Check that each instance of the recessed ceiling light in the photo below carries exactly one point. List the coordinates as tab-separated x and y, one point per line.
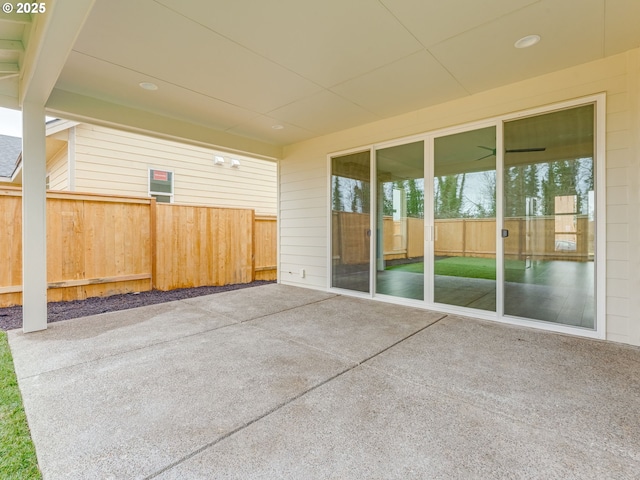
148	86
528	41
277	127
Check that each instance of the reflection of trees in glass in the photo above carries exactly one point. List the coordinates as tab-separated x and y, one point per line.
349	195
449	196
360	198
486	206
520	182
546	181
415	198
414	195
336	195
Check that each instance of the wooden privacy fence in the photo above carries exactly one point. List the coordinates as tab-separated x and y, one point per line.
459	237
100	245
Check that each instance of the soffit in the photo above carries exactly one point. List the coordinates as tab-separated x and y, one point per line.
315	67
14	36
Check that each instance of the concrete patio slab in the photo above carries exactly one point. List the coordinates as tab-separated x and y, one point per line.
132	414
589	390
352	328
258	302
76	341
367	424
324	386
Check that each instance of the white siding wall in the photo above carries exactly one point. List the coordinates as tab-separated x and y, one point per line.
116	162
58	169
304	192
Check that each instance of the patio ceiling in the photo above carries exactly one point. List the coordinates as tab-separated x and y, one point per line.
228	72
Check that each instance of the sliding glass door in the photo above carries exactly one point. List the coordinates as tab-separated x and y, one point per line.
496	218
400	221
351	221
464	211
549	216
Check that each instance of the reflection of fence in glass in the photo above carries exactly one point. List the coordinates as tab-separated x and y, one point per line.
566	225
458	237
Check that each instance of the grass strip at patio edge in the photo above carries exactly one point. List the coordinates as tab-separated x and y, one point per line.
17	452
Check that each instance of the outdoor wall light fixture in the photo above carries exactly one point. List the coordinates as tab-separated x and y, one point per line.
235	163
528	41
218	160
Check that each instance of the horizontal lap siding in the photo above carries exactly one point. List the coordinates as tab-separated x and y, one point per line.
623	202
58	171
115	162
303	218
303	173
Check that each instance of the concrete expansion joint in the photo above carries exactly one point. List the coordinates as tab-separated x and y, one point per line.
287	402
293	340
288	309
402	340
248	424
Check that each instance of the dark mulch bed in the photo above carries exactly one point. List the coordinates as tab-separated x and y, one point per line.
11	317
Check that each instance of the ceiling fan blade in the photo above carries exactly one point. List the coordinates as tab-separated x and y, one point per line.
492	150
488	148
523	150
486	156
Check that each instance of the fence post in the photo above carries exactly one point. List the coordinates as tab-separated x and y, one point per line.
153	233
253	245
464	237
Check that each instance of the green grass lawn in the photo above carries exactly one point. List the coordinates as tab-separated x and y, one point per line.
17	453
470	267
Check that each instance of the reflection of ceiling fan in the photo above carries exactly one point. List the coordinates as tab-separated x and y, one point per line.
511	150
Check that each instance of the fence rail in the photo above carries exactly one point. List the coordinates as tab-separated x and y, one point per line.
100	245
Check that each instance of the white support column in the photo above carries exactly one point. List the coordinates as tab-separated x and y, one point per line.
34	221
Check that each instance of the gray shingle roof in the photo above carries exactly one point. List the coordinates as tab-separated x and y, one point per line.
10	148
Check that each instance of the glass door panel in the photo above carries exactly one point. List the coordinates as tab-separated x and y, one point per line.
350	221
464	205
549	212
400	221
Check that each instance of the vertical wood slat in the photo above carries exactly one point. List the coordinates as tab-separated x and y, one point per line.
104	236
10	244
153	228
81	244
265	248
203	246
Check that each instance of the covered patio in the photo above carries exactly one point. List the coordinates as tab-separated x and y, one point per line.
285	382
297	83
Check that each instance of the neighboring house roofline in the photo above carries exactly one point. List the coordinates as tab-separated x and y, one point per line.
16	171
18	167
52	127
10	156
58	125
